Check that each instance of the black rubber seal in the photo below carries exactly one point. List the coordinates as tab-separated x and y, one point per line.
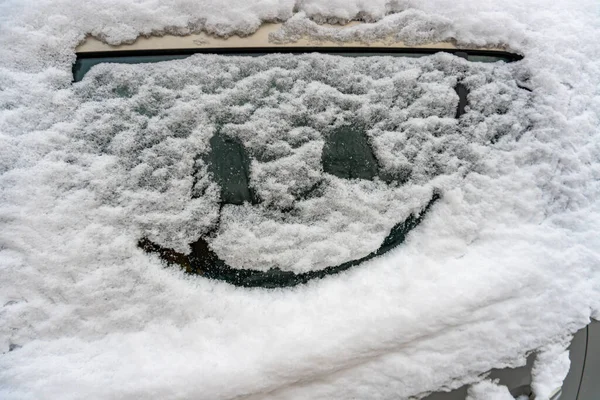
508	56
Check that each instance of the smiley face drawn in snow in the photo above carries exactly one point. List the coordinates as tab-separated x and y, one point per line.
271	171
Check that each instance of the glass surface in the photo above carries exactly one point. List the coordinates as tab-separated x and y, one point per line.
83	65
262	121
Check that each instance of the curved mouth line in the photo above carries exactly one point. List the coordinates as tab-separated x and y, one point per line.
205	262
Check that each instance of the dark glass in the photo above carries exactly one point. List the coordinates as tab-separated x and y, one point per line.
84	63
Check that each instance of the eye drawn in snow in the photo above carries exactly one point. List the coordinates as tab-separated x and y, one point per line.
278	169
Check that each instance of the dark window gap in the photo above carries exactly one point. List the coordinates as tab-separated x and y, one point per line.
85	61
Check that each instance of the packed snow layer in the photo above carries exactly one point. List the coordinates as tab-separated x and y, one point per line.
505	263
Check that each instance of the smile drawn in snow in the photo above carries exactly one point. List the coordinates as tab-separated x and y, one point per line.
347	155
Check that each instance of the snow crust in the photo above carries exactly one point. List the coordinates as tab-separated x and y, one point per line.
505	263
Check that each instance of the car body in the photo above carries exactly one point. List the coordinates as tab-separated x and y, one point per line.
585	347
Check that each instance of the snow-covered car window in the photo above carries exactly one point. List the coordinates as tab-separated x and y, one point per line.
279	168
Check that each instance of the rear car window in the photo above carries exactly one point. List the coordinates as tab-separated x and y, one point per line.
272	170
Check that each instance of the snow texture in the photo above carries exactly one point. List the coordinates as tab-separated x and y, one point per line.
488	390
506	262
283	109
550	369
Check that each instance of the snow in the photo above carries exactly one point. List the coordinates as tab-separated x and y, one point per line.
505	263
550	369
283	108
488	390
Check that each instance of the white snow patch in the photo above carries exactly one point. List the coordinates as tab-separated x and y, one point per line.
488	390
410	27
550	369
